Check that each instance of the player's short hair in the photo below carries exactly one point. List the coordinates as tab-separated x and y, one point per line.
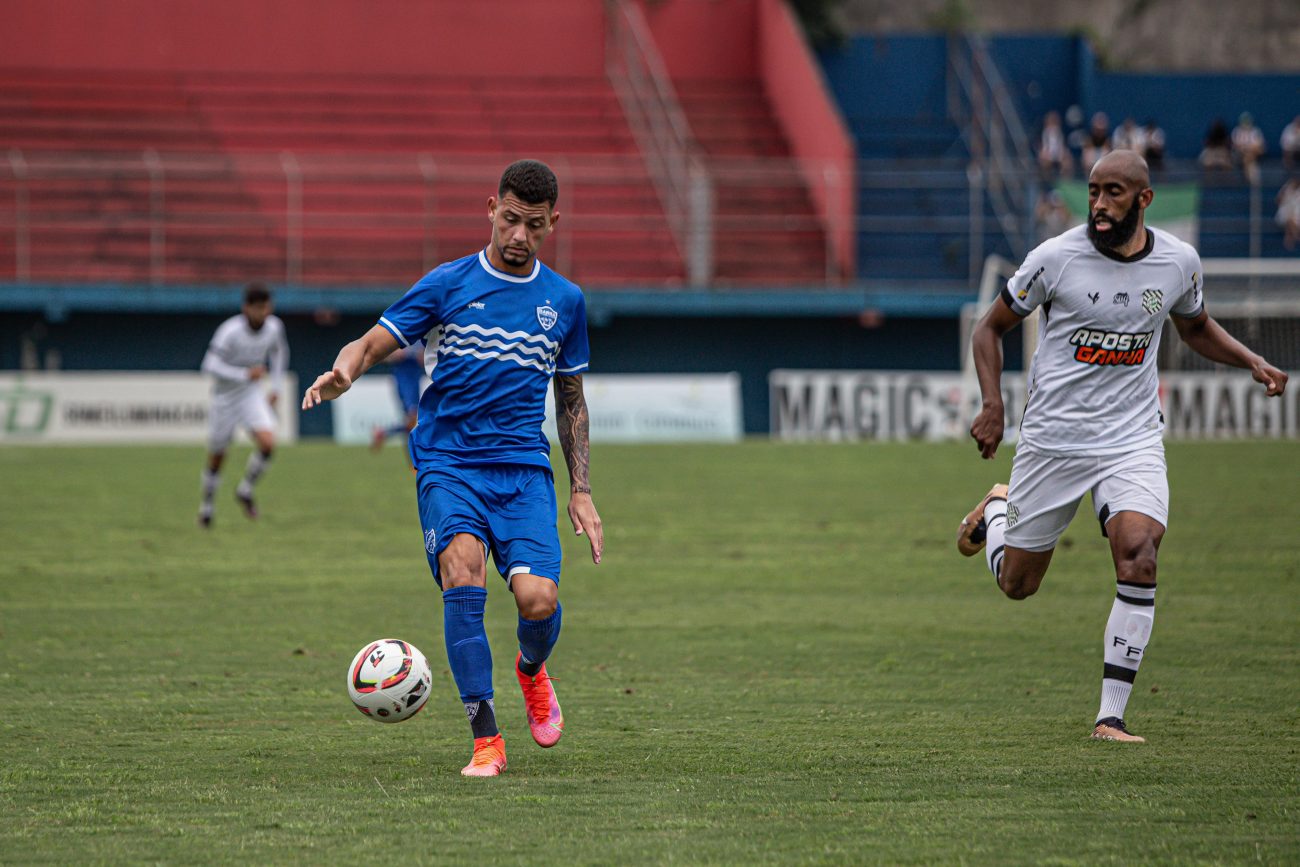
531	181
257	293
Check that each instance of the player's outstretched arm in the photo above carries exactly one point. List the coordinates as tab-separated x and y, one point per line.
354	359
986	345
1208	338
573	425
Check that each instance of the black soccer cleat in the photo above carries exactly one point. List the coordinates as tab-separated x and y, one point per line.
246	503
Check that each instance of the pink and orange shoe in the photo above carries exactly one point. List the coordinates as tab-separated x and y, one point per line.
489	758
545	720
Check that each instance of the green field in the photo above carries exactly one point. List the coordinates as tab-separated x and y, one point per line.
781	659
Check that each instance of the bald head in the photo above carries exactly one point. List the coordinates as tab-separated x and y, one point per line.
1123	165
1119	190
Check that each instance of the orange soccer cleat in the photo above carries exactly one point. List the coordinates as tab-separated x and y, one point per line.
1112	728
545	720
489	758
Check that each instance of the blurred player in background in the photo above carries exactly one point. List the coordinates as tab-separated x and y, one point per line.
408	369
500	326
1092	421
238	359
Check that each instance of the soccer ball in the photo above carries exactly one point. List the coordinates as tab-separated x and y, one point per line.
389	680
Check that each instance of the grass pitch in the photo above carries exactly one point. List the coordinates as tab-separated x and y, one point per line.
782	659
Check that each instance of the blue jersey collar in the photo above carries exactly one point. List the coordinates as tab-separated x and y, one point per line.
502	275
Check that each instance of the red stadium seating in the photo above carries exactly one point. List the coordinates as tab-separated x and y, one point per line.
392	174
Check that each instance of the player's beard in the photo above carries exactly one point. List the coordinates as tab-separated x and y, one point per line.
1121	231
515	255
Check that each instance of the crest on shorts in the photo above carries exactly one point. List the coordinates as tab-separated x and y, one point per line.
1013	514
431	542
1152	300
547	317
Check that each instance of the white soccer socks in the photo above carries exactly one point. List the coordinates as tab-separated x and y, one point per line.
210	481
252	471
1127	632
995	524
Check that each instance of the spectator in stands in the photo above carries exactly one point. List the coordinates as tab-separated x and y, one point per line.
1051	216
1216	153
1153	145
1054	157
1248	146
1097	143
1129	137
1291	144
1288	212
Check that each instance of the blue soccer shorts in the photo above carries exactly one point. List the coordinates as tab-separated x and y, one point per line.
510	509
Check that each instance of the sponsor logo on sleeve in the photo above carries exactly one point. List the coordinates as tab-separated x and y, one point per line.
1110	348
1024	293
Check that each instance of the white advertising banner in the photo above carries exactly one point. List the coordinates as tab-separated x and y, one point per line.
659	408
1227	406
624	408
849	405
370	403
118	407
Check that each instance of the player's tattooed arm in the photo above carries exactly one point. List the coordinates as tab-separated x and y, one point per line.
573	424
574	427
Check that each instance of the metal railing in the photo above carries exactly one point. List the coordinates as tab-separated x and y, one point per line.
1001	162
357	219
671	154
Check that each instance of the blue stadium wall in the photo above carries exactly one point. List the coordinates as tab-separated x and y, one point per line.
897	84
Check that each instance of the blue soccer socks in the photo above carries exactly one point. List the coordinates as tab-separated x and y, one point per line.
536	639
467	646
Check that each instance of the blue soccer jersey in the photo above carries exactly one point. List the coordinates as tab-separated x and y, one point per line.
494	342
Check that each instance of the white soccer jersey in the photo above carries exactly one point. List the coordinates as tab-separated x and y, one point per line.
1093	383
236	347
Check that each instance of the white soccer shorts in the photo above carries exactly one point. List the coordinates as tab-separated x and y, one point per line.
1045	491
246	408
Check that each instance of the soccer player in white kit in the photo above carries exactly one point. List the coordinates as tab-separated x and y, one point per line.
238	359
1092	421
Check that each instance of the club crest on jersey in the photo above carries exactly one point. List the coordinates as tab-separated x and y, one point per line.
1152	300
547	317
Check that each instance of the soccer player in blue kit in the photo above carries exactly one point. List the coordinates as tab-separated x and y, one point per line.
408	370
500	327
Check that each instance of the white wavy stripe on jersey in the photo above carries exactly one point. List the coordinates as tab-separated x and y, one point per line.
547	369
501	332
470	340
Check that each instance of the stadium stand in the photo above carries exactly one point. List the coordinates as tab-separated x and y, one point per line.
385	169
766	228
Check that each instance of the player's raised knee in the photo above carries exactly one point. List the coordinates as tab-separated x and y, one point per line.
1017	589
537	599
